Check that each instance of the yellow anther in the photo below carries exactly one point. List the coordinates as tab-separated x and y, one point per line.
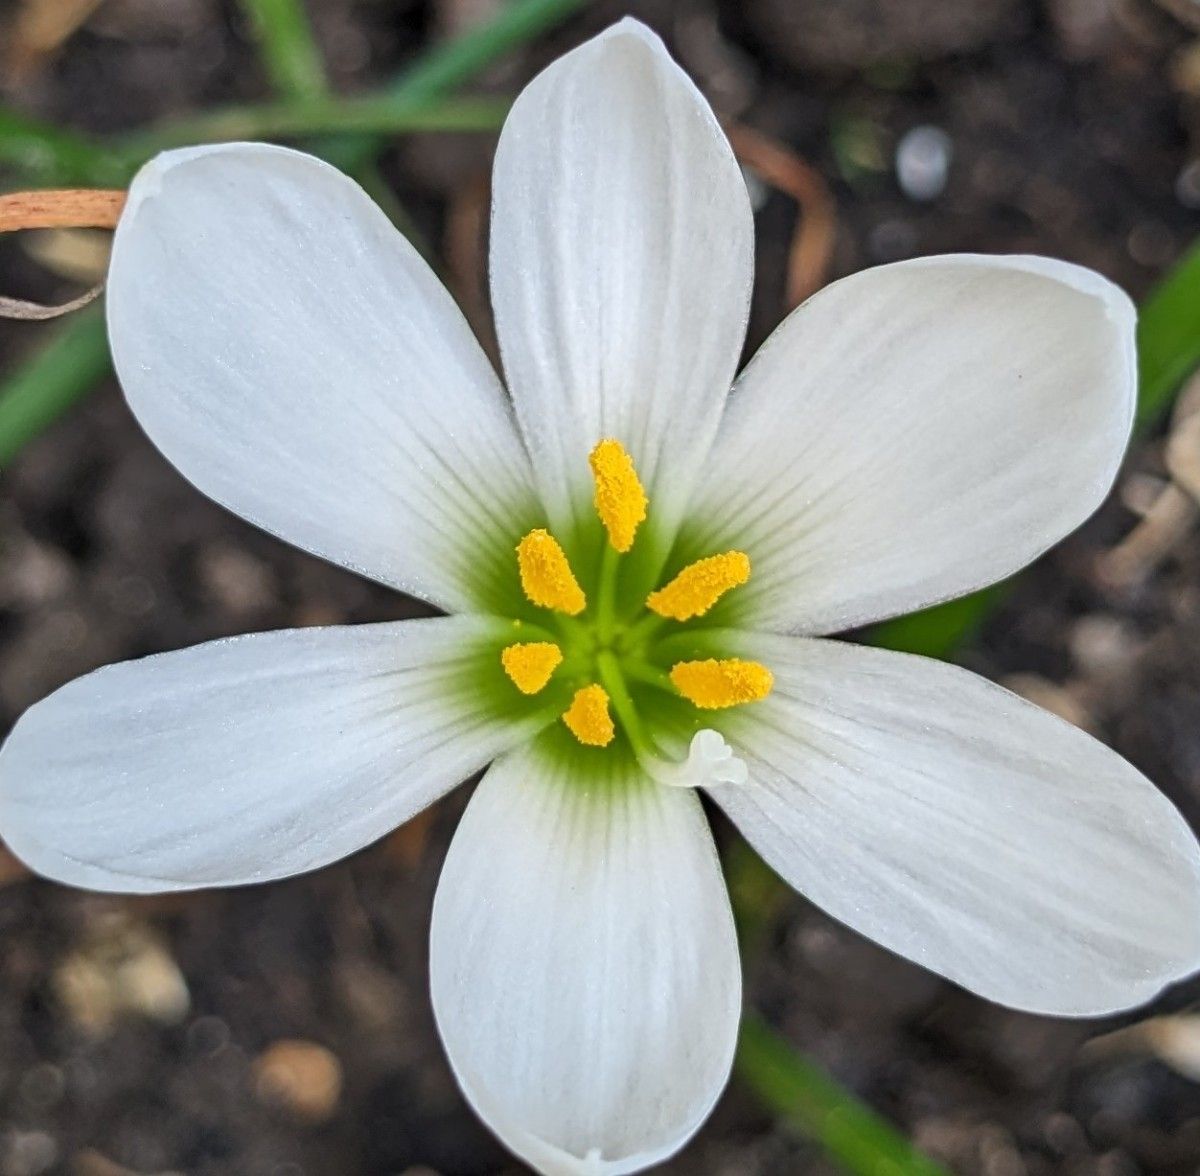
620	500
546	577
588	719
530	663
714	684
700	585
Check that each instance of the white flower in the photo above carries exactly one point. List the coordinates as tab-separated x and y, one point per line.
910	434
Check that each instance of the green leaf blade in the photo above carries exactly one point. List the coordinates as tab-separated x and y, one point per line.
55	378
804	1096
287	47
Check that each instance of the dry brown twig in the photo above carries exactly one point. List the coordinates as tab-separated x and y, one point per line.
62	208
1173	513
73	208
466	261
11	870
40	29
1183	453
811	251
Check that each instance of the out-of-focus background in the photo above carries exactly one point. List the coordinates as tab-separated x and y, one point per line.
285	1030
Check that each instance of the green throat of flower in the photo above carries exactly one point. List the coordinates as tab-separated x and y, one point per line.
617	657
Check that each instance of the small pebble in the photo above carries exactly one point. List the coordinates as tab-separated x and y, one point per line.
123	968
1102	644
27	1153
207	1036
238	581
1058	700
1116	1163
300	1076
1151	243
1064	1134
42	1085
923	158
891	240
1187	185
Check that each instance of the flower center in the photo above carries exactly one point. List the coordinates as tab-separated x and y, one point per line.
609	653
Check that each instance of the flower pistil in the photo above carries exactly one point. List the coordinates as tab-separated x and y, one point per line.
607	643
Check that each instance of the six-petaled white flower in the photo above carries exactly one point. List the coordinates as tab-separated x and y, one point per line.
641	570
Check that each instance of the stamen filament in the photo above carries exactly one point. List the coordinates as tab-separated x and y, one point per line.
575	632
642	630
521	629
606	593
641	671
609	671
689	645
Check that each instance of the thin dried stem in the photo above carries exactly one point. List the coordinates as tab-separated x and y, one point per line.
61	208
64	208
466	257
811	251
39	312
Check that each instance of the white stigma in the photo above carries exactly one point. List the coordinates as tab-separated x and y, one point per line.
710	761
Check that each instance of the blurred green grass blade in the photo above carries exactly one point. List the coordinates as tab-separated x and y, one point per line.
54	157
281	29
57	376
1168	338
940	630
783	1079
279	25
801	1094
287	47
456	61
48	158
378	116
415	101
453	62
756	893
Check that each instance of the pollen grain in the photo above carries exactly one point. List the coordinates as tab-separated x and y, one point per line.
713	684
546	576
530	663
700	585
620	500
588	719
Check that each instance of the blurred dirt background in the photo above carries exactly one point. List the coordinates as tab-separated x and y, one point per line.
285	1030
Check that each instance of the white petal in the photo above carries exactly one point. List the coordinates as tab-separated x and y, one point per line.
917	431
244	759
584	967
621	267
294	357
965	828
